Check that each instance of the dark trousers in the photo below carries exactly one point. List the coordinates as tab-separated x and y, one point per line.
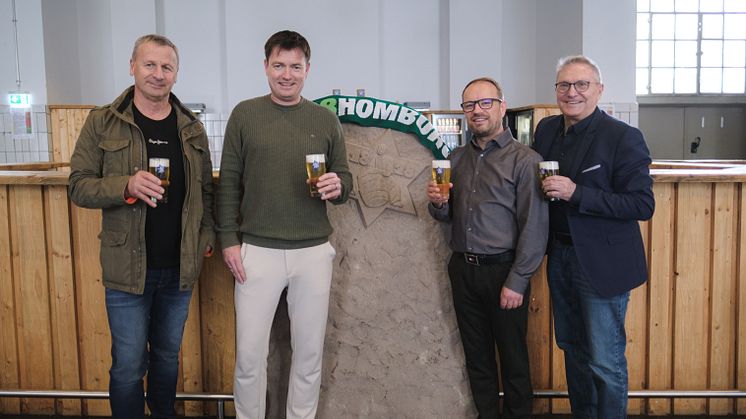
482	325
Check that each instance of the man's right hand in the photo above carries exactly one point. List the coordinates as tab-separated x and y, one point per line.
232	258
144	185
434	195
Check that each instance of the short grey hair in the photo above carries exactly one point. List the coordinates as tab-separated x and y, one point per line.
159	40
580	59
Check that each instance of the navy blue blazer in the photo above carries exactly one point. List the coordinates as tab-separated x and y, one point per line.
614	191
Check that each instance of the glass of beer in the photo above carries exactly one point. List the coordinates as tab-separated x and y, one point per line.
442	176
160	168
315	167
546	169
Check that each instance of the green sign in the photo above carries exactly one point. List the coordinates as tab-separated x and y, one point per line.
19	100
370	112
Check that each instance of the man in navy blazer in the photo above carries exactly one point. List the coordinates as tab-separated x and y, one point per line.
596	254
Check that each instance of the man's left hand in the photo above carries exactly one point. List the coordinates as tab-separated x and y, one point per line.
330	186
558	187
510	299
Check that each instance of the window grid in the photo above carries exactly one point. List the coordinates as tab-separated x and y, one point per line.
671	72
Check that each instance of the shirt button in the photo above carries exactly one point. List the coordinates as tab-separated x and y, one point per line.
470	209
136	168
468	229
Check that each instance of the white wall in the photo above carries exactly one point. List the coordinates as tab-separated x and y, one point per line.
31	50
418	50
609	38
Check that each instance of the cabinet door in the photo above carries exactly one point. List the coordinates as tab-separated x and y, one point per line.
714	133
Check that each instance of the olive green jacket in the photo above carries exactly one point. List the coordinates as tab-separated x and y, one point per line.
109	150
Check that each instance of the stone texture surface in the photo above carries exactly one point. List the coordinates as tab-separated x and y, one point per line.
392	344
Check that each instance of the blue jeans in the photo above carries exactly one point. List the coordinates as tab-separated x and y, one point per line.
146	333
589	328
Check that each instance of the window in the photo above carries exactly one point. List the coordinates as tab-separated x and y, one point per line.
691	47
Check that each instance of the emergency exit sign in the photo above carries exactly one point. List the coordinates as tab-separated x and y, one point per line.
19	100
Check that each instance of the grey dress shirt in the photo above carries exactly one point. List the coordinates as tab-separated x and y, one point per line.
496	205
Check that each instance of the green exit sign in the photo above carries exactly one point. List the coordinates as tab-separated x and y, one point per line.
19	100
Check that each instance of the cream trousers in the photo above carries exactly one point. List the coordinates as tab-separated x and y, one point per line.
307	274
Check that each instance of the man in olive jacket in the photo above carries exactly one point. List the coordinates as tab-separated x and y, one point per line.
154	234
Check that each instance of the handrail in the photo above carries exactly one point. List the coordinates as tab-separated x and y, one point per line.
221	398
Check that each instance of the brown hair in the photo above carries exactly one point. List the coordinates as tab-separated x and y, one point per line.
287	40
158	40
487	80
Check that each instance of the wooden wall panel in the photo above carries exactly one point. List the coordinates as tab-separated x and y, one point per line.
218	329
62	296
692	292
191	356
93	328
722	325
8	332
660	297
636	329
741	302
67	122
28	254
539	339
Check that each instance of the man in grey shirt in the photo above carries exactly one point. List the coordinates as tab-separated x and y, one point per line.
499	224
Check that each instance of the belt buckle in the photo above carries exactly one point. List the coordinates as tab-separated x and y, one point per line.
471	259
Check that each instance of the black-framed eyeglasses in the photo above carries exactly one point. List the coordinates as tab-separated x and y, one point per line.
580	86
485	103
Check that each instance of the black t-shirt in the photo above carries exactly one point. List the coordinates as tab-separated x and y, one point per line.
163	223
565	150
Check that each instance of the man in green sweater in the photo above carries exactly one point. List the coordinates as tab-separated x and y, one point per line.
274	234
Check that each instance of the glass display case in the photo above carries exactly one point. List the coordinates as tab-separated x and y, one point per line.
451	126
522	121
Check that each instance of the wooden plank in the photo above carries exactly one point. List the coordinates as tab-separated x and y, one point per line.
62	301
28	256
218	329
94	338
723	302
691	335
57	126
741	301
539	337
636	330
660	297
559	380
191	357
8	333
22	177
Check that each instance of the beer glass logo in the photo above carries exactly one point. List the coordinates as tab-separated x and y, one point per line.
160	171
316	165
439	171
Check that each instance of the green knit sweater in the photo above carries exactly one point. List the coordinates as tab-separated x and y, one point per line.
263	197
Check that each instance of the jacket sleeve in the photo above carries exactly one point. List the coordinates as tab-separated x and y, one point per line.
88	187
207	225
338	163
229	187
631	197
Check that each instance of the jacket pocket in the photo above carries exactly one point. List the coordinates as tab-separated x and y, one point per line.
115	258
116	157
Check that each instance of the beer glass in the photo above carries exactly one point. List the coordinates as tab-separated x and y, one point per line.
315	167
441	174
160	168
546	169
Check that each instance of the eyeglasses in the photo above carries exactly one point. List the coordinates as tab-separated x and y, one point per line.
485	103
580	86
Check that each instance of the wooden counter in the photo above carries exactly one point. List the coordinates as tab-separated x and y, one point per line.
684	326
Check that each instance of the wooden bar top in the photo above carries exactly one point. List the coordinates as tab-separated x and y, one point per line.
662	171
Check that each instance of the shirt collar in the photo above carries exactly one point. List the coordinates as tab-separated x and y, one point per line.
580	127
501	140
